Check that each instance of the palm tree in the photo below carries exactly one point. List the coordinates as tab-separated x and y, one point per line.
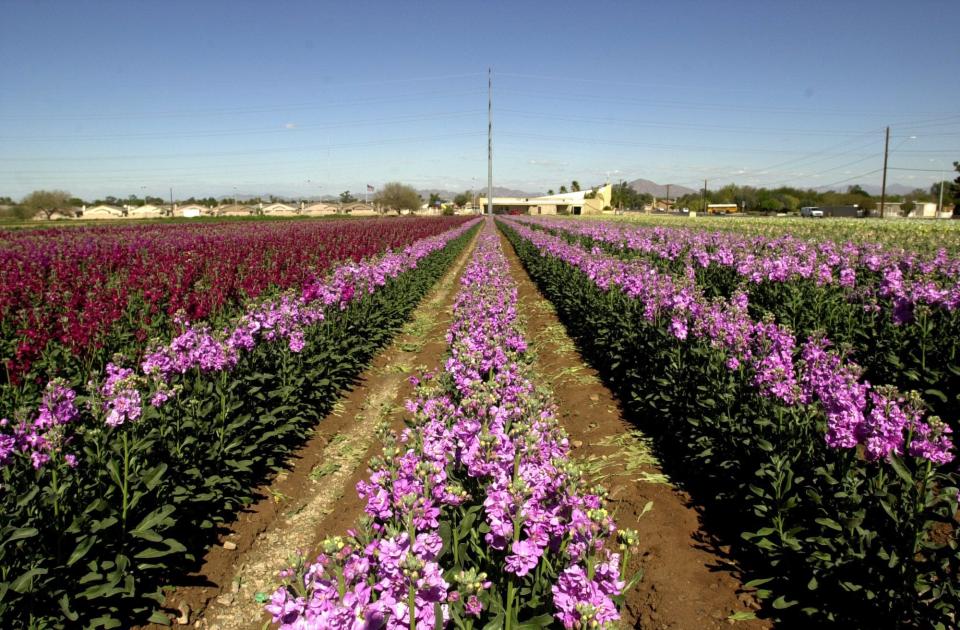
574	186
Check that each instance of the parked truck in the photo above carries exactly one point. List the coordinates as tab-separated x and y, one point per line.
852	212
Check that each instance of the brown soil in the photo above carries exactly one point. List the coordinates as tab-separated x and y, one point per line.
689	582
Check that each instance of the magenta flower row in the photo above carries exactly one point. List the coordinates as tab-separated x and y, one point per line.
481	436
122	394
878	418
72	289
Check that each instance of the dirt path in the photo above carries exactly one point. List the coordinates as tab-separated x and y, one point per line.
688	581
316	496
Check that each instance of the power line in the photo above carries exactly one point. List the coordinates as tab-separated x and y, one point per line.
180	156
232	132
224	111
703	106
843	181
695	126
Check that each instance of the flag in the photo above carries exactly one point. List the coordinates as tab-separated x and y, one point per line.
369	188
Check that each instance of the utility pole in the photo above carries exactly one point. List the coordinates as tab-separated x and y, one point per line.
171	201
669	205
940	203
703	197
489	141
883	188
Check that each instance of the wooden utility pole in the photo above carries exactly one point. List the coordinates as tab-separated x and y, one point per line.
940	203
703	197
669	205
883	187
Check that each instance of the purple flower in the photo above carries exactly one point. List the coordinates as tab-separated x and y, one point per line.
524	557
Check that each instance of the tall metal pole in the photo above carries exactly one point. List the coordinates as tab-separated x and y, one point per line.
489	141
883	188
940	203
704	198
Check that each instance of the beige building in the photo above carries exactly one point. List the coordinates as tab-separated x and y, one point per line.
580	202
319	208
145	212
234	210
102	212
279	210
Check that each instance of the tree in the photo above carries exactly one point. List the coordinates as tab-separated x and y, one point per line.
623	196
907	207
563	189
574	186
435	200
550	192
462	199
956	186
46	202
346	197
396	196
789	202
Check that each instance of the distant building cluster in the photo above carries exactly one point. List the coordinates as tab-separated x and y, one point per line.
193	210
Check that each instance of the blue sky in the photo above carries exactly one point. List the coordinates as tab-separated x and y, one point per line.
311	98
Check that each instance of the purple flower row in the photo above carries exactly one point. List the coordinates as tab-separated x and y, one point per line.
878	418
121	395
481	437
905	278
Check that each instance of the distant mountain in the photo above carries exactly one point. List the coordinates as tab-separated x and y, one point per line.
659	190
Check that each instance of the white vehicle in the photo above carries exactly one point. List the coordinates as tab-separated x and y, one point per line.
811	211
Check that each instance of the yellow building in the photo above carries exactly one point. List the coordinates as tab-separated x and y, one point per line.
579	202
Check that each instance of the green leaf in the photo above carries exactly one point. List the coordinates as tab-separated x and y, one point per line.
758	582
541	621
153	519
81	549
900	468
496	623
24	582
829	522
160	618
742	616
21	533
780	603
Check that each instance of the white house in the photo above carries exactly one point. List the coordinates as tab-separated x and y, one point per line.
923	210
320	208
102	211
144	212
279	210
233	210
191	210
